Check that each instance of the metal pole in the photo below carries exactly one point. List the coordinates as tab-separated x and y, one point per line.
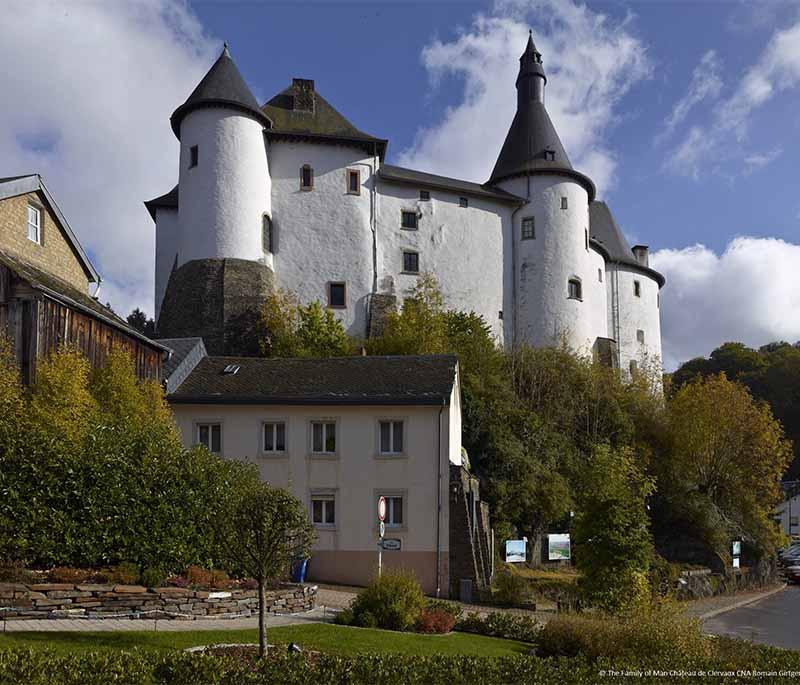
380	553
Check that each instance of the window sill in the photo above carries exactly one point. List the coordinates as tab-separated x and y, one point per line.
325	526
274	455
323	456
577	299
409	273
406	228
391	457
337	306
353	192
305	189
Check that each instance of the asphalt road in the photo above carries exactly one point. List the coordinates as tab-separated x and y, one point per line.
774	620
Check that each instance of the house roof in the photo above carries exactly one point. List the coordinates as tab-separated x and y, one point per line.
314	119
409	380
222	86
61	291
606	233
186	354
168	200
398	174
11	186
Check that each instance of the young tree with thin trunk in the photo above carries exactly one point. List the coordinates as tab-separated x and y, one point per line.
268	530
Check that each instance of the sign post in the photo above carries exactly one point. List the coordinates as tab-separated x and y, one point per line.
381	530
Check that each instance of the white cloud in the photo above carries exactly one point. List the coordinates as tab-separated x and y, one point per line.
87	93
777	69
706	84
750	293
590	61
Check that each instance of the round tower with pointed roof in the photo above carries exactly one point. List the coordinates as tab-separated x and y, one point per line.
555	274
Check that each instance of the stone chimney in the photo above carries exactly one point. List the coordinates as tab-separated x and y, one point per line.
642	254
303	95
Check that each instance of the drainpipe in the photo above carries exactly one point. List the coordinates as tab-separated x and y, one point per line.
373	220
439	507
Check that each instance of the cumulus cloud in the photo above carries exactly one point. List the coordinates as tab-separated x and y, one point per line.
705	84
591	62
750	293
88	89
777	69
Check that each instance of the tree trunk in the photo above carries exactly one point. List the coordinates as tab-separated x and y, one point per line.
262	618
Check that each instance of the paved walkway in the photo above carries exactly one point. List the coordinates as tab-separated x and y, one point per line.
711	606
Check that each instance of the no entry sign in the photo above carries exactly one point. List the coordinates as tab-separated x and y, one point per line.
382	509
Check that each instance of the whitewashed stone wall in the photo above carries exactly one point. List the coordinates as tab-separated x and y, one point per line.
168	244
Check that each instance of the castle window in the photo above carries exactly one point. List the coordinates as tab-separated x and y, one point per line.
353	182
337	295
600	275
550	155
637	288
408	220
306	177
424	194
528	228
563	203
463	202
574	289
34	224
640	336
410	262
193	156
266	234
633	367
586	237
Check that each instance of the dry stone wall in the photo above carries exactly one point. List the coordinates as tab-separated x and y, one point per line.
65	600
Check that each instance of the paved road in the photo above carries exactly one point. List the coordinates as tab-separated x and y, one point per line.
772	621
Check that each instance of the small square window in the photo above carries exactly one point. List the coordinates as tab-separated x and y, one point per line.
408	219
34	224
337	295
210	436
637	288
194	155
306	177
323	510
323	437
574	289
563	203
275	436
528	228
353	182
411	262
424	195
640	336
391	437
463	202
550	155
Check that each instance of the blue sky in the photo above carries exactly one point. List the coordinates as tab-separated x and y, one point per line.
684	114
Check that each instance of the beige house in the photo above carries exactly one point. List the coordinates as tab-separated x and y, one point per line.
341	433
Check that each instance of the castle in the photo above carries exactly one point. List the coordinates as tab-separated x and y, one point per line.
290	194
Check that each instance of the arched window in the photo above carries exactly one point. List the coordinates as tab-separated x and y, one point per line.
574	289
266	234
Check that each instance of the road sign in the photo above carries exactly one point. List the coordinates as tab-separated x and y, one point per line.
391	544
382	509
382	529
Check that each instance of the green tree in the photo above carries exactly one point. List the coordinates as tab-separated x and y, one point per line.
269	528
11	396
139	321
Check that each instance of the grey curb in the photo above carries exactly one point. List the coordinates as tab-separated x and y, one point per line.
744	602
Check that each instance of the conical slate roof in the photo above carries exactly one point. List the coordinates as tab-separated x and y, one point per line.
222	86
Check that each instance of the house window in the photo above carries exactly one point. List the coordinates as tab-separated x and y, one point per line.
194	154
266	233
640	336
210	435
394	512
528	228
463	202
34	224
408	219
411	262
391	437
306	177
323	510
337	295
574	289
353	182
424	195
323	437
633	367
275	436
637	288
563	203
600	275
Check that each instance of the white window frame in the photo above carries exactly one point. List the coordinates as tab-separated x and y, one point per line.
35	229
392	421
274	423
209	423
336	436
389	495
324	496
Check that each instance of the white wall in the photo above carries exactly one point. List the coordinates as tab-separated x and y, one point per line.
223	198
462	246
324	234
786	512
168	244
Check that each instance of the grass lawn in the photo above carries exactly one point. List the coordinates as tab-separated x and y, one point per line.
321	636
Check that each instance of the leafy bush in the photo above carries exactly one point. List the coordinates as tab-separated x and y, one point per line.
501	624
442	605
15	572
67	574
219	579
198	576
125	573
393	601
435	621
344	617
153	577
510	589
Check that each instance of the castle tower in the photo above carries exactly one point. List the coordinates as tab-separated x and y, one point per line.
555	275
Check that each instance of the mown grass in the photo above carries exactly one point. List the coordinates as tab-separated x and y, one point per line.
342	640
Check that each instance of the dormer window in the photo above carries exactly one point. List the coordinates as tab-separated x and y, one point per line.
306	177
550	155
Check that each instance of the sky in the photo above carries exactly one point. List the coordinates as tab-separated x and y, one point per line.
684	115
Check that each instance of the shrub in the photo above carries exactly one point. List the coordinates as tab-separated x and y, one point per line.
15	571
178	581
393	601
435	621
198	576
501	624
67	574
510	589
219	579
153	577
442	605
344	618
125	573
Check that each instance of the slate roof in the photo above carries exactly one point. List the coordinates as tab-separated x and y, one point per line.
418	178
411	380
63	292
223	85
186	354
604	231
322	122
169	200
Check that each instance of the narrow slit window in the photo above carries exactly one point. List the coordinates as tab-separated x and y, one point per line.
353	182
528	228
637	288
574	289
409	220
600	275
411	262
563	203
194	156
586	237
306	177
337	295
640	336
266	234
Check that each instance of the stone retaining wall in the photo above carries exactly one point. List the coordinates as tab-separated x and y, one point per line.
65	600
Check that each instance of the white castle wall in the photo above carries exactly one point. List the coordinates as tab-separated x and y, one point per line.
462	246
223	198
324	234
168	240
